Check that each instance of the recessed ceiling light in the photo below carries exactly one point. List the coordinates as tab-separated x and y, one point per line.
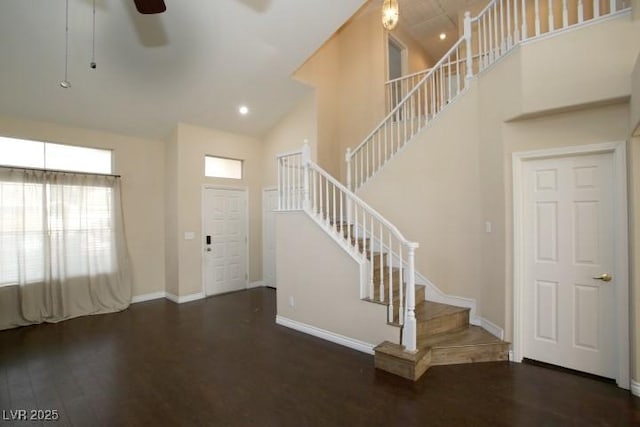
244	110
443	36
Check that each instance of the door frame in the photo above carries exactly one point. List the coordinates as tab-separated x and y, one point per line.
265	190
404	55
620	245
203	248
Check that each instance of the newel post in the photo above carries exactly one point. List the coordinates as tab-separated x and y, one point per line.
467	37
409	334
306	159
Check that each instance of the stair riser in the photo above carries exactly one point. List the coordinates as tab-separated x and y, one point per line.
420	293
469	354
442	324
403	368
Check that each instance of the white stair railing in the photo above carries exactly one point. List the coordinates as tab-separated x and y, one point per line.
290	181
302	184
437	88
397	89
415	100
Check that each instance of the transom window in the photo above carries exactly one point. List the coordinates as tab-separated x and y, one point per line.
47	155
220	167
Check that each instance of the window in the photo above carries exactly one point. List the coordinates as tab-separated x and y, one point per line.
53	221
47	155
219	167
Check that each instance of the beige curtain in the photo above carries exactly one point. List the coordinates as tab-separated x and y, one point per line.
63	251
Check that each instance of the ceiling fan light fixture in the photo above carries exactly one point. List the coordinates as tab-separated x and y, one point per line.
149	7
390	14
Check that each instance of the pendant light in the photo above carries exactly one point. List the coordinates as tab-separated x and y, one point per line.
390	14
66	84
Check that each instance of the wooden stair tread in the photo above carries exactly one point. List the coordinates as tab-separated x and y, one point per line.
396	350
471	336
428	310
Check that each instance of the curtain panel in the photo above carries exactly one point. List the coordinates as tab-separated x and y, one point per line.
63	250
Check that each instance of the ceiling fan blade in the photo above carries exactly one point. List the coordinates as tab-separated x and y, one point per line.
148	7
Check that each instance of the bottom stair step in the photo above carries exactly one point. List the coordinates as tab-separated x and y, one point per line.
469	345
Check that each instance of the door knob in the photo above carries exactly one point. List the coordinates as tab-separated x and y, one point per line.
606	277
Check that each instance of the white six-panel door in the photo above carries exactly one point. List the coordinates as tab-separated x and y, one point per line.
568	314
225	256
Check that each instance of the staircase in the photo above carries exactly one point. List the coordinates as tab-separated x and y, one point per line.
444	335
429	333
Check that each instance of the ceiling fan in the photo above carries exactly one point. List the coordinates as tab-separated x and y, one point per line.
149	7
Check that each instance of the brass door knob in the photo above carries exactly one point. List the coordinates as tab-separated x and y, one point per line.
606	277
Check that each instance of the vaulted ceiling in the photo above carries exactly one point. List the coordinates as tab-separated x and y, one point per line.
195	63
427	19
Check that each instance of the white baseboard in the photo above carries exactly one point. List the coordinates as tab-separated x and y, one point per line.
635	388
326	335
148	297
258	284
184	298
488	326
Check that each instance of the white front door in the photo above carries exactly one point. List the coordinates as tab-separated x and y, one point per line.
225	240
569	314
269	205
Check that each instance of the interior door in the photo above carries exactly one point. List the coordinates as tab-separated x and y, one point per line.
569	305
269	205
225	245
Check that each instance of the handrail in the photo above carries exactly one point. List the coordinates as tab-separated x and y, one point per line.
399	106
364	204
409	75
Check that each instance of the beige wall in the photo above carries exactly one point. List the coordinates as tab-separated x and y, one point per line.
348	73
634	243
417	58
324	283
440	184
171	212
634	118
549	82
289	135
193	143
141	164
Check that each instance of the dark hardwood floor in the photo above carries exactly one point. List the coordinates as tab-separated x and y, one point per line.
223	361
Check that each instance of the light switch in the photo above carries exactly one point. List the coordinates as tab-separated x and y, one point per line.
488	227
189	235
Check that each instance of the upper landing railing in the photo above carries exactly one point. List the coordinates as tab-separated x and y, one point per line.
413	101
